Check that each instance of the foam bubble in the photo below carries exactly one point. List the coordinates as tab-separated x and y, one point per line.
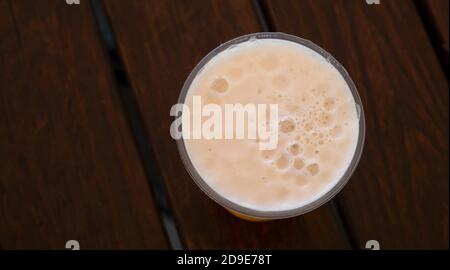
295	149
329	104
325	119
287	125
299	164
282	162
219	85
309	126
313	168
235	73
336	131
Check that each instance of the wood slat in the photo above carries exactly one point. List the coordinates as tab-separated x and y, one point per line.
160	42
399	193
439	10
69	168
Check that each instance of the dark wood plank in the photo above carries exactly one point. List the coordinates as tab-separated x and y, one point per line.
69	168
439	10
168	39
399	193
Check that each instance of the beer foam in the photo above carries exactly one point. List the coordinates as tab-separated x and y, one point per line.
318	125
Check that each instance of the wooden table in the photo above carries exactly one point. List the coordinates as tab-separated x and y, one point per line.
85	93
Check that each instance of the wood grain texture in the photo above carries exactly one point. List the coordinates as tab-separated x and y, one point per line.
69	168
167	40
399	193
439	10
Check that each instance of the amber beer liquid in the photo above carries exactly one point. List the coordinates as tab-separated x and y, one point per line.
321	126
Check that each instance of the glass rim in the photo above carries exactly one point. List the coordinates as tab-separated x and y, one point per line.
274	214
